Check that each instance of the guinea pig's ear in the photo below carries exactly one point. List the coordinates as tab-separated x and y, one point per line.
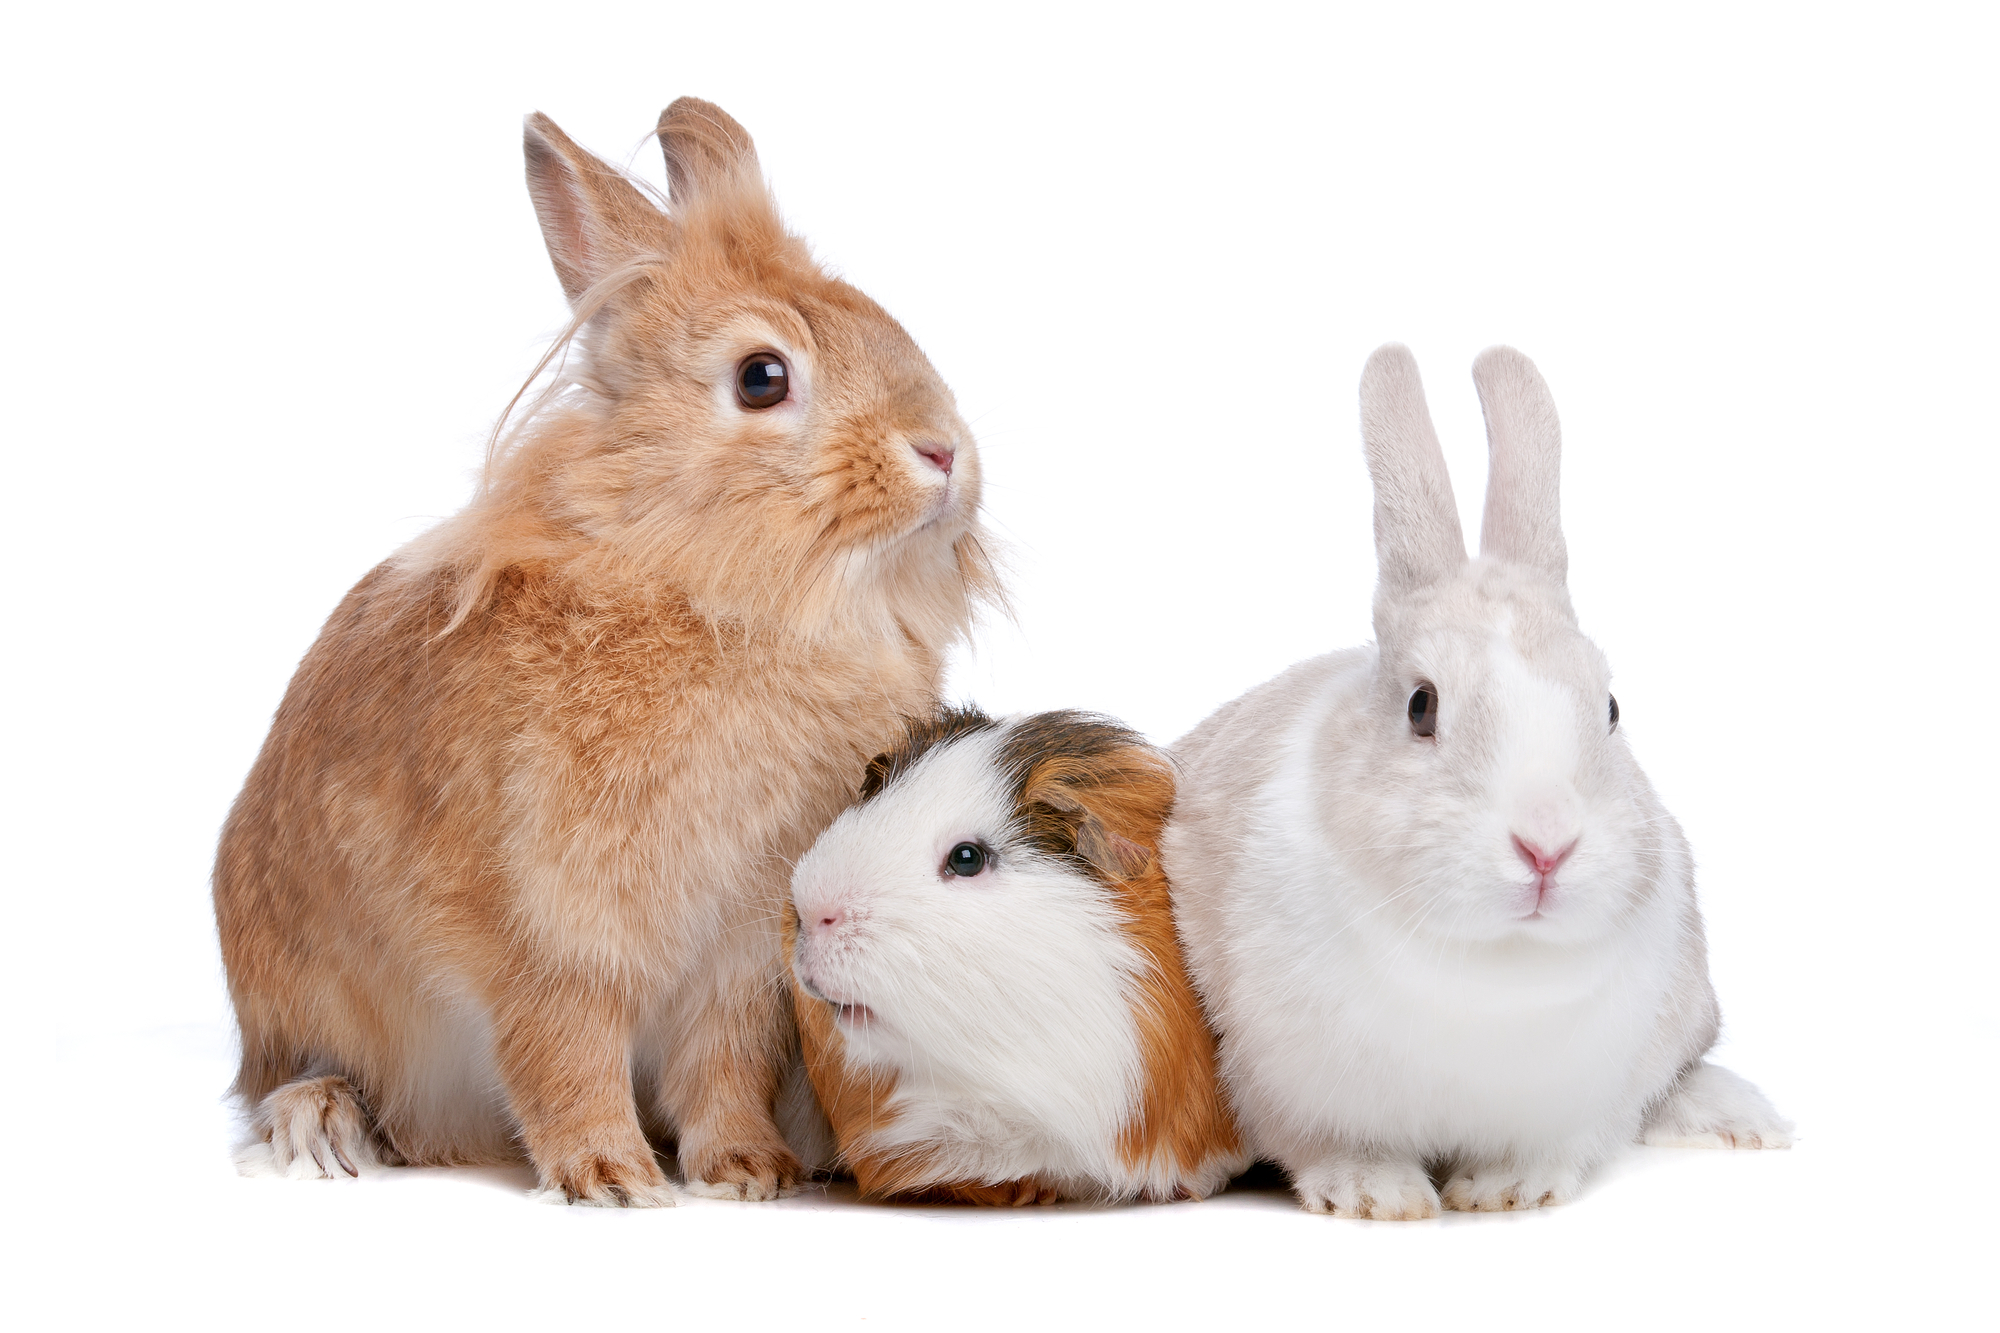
1073	827
1116	856
877	774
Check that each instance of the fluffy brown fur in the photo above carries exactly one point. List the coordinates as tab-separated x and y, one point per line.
1090	792
508	870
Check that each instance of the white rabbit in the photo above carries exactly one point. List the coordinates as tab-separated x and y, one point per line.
1445	930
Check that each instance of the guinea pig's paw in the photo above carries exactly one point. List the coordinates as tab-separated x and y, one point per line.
606	1180
750	1174
1007	1193
1504	1188
314	1129
1715	1108
1388	1191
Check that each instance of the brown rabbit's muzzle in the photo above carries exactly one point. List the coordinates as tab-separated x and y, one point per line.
876	487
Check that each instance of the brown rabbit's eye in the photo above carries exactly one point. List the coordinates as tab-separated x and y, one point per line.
762	381
1614	712
1424	711
966	860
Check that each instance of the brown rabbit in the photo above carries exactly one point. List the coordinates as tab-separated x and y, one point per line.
507	874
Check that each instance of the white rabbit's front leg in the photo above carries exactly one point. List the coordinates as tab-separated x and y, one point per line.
1711	1107
1355	1184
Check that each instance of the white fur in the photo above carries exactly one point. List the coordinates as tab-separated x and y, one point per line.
1710	1107
1002	1003
1397	991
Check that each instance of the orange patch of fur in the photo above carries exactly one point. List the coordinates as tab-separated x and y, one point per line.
1110	808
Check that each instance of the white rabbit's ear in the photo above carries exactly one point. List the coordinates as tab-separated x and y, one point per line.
1523	521
593	219
1417	537
707	152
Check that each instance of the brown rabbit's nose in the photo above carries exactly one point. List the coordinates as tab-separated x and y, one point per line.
940	455
1540	861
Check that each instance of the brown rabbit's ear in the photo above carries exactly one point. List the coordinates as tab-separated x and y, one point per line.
593	219
706	149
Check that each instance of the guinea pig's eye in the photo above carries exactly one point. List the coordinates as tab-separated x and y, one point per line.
762	381
1614	712
965	860
1424	711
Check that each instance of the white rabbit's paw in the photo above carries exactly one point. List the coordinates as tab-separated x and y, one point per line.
1506	1188
1714	1108
1388	1191
314	1129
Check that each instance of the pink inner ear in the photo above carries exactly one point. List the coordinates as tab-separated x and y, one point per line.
572	227
1116	856
1132	857
564	213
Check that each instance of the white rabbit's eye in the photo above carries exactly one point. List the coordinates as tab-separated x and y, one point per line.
965	860
1424	711
1614	712
762	381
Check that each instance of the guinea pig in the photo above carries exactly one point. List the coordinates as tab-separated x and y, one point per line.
990	994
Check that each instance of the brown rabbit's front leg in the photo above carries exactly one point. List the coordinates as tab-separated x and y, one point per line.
719	1078
562	1048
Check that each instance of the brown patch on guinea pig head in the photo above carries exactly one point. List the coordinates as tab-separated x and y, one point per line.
1093	793
921	735
1081	785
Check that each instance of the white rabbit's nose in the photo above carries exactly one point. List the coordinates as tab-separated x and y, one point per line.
1541	860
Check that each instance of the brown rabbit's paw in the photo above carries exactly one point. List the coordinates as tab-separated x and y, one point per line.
311	1129
752	1174
605	1180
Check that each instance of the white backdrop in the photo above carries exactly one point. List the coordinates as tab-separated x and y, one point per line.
272	272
